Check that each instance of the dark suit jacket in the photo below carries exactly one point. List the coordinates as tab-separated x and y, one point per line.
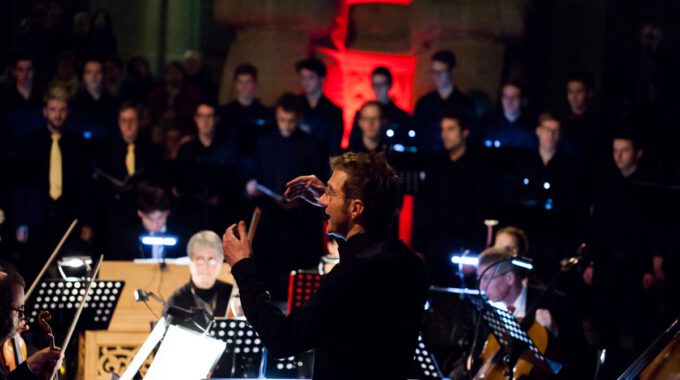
112	157
324	122
32	201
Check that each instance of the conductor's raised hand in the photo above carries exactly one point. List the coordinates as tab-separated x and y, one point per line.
307	187
236	244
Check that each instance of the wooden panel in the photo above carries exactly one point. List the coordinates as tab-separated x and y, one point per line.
107	351
132	316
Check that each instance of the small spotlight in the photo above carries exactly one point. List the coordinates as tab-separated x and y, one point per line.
411	133
488	143
526	181
546	185
497	144
168	241
465	260
389	133
74	268
522	264
398	148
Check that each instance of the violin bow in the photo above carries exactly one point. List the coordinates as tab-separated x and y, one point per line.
50	259
74	323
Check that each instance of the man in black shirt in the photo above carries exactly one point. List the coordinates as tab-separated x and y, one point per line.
545	184
445	98
207	183
53	183
582	133
289	236
121	164
204	290
450	209
322	119
372	132
20	105
94	109
145	239
363	322
397	121
627	252
512	128
245	119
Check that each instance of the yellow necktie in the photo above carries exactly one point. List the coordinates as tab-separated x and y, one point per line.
56	184
130	159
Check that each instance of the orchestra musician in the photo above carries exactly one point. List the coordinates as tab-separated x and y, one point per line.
506	286
40	363
204	290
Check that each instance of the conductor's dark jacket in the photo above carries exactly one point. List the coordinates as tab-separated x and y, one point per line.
364	320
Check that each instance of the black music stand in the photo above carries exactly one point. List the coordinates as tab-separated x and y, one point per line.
246	356
61	299
244	351
510	335
424	363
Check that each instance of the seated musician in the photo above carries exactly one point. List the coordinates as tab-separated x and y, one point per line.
42	362
204	290
155	220
506	287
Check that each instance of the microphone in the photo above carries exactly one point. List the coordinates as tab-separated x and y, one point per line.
142	295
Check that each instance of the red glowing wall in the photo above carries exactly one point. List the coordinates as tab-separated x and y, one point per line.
348	83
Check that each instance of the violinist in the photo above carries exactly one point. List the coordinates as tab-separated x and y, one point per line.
43	362
507	287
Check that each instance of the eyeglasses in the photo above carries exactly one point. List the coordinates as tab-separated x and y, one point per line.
20	311
490	276
330	193
202	261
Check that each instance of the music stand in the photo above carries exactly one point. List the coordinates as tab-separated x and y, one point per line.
510	335
424	363
246	356
243	355
302	284
61	299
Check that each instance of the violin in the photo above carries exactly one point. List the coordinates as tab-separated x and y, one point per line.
14	349
13	352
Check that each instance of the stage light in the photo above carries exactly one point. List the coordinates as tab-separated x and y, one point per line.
74	268
465	260
522	264
411	133
168	241
390	133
